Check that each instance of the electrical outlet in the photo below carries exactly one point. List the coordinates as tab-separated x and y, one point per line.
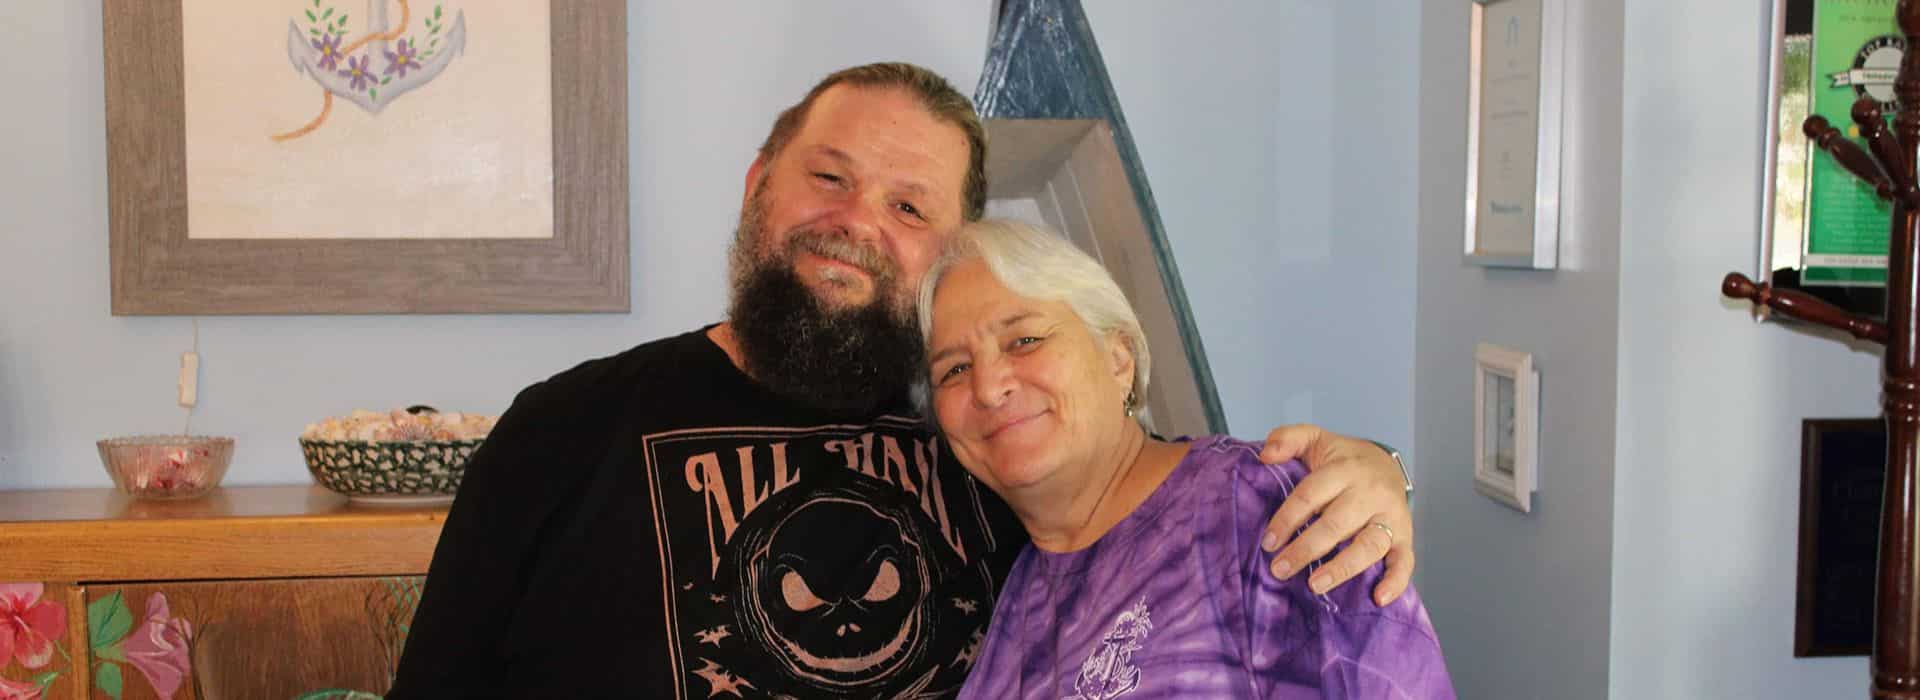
189	379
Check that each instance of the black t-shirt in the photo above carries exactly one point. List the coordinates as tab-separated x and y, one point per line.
655	524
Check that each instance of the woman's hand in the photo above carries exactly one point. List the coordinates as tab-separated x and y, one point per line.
1351	484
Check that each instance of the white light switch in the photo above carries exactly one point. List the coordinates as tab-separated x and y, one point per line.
189	379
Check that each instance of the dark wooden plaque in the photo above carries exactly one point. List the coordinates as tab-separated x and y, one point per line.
1843	467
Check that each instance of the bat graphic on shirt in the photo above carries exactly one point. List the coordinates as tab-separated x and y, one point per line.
971	653
720	680
713	636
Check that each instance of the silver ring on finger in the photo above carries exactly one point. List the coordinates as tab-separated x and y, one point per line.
1383	528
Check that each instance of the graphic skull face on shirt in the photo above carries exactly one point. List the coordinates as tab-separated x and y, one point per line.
840	589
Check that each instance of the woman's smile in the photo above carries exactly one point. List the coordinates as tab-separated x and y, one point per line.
1004	428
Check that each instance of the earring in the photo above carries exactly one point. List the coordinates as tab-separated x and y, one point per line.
1131	398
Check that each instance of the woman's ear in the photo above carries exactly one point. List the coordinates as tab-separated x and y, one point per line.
1120	359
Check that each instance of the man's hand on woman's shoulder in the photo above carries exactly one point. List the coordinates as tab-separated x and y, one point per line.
1360	497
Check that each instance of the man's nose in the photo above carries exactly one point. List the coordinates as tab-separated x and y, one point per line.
861	218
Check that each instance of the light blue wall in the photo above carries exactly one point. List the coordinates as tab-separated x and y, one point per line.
1710	403
1295	149
1287	190
1233	131
705	80
1520	600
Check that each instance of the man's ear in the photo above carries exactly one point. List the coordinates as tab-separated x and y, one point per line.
753	180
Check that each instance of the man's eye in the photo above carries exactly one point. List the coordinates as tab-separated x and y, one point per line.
953	372
911	210
829	178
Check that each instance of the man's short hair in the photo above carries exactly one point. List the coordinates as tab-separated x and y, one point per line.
934	93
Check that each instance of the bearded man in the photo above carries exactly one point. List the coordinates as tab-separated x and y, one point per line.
754	507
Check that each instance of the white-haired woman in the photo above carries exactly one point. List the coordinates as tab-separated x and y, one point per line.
1145	575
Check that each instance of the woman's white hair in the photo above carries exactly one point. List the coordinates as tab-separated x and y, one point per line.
1039	264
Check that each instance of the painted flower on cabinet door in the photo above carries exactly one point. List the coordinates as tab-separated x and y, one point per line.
16	690
158	646
29	625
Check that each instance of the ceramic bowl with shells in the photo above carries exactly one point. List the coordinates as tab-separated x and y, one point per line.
413	455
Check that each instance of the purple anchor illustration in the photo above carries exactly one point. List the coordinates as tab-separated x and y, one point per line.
377	68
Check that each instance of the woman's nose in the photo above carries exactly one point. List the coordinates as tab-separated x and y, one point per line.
992	383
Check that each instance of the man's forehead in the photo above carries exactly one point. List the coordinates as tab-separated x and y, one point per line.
888	102
909	181
886	127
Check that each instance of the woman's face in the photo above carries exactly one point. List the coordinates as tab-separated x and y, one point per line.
1024	390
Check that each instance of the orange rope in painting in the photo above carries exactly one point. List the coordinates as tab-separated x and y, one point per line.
398	29
326	107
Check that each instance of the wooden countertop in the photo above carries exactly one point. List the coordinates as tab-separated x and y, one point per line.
80	535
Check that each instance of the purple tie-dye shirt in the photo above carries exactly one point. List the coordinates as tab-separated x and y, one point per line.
1176	601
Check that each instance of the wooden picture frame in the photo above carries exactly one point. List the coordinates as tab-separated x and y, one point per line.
1842	469
1513	133
158	270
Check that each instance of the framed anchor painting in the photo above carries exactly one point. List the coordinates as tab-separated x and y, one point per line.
366	156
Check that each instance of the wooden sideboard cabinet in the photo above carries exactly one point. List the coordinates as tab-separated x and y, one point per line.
248	592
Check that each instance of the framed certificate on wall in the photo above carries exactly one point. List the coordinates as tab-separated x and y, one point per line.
1822	230
1513	133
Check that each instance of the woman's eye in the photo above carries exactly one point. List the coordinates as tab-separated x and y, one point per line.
953	372
828	178
1026	342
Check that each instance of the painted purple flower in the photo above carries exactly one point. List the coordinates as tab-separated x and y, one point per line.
329	47
402	58
158	647
357	70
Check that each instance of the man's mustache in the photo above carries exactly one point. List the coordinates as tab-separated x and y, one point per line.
838	249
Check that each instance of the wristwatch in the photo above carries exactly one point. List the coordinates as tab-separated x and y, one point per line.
1395	454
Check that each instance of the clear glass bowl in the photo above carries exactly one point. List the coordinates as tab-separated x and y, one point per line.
166	467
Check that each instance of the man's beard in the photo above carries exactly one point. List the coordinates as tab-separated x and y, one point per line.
843	360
